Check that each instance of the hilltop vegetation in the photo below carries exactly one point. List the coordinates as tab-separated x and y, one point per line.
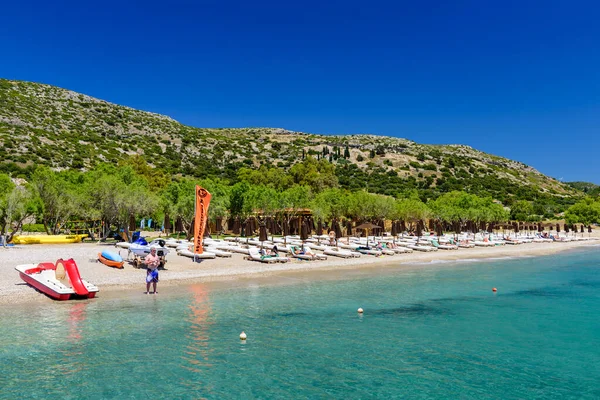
42	125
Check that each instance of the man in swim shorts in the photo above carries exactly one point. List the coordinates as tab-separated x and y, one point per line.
152	262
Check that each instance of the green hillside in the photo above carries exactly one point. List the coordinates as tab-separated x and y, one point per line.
47	125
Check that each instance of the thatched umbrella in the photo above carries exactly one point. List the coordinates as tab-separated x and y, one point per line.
540	228
402	227
348	228
236	226
337	229
367	226
566	228
557	228
262	233
516	227
394	229
304	230
438	229
179	225
589	229
419	230
206	229
582	228
319	228
248	228
286	227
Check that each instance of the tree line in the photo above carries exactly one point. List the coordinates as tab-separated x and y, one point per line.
116	194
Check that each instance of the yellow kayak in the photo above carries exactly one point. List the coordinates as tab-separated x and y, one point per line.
48	239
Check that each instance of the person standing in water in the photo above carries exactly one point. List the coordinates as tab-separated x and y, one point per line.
152	262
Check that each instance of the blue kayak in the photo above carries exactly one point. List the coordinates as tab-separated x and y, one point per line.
109	255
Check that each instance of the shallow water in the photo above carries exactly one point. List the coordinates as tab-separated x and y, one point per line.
437	331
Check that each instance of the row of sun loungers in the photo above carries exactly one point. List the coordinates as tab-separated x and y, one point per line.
292	247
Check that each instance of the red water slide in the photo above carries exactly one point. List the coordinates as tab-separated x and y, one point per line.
73	273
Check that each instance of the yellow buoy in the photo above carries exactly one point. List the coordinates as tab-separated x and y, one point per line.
360	310
242	336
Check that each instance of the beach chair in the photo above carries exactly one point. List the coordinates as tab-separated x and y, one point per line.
254	255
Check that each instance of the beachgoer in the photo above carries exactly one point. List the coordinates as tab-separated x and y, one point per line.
274	252
152	262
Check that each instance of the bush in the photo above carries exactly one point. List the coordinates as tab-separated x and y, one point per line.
360	158
33	228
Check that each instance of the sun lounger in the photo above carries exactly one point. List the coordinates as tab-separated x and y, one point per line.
400	250
343	253
205	255
254	255
365	250
218	252
444	246
422	248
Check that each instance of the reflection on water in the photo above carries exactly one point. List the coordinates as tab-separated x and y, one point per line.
72	354
196	355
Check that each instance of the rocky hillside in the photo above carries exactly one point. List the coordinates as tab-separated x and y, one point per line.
42	124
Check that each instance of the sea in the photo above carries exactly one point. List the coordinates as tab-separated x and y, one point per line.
427	331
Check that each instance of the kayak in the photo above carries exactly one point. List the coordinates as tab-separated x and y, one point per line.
110	259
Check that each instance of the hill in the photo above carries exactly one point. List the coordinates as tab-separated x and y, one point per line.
46	125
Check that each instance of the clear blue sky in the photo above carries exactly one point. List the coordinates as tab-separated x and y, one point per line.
518	79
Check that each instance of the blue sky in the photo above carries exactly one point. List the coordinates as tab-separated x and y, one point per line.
519	79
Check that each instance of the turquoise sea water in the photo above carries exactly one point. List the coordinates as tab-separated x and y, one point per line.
436	331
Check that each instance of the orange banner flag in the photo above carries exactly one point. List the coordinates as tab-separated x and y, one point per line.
202	203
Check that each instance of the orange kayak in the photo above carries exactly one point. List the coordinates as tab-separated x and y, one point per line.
110	263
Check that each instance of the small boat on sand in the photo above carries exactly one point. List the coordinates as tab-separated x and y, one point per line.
110	259
48	239
61	281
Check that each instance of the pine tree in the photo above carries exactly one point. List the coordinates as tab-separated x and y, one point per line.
330	157
347	152
303	154
372	154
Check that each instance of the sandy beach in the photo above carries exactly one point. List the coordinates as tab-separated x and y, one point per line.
225	271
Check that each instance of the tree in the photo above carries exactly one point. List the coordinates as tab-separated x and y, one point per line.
347	152
59	199
586	211
521	210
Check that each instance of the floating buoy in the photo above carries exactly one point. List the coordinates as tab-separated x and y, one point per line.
494	290
242	336
360	310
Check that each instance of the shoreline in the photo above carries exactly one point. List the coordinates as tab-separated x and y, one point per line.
235	271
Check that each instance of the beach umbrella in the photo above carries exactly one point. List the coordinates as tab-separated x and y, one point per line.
557	228
303	230
540	227
286	227
367	226
262	233
402	227
348	228
516	227
338	230
206	229
438	229
394	229
319	228
179	225
431	225
219	224
589	229
249	231
582	228
236	226
419	228
566	226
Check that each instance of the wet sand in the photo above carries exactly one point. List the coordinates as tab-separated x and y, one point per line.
234	271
